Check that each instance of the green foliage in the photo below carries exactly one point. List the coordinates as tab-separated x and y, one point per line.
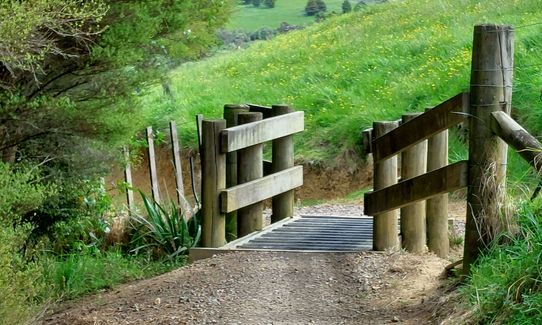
20	192
74	275
256	3
311	8
346	6
20	280
164	232
269	3
505	285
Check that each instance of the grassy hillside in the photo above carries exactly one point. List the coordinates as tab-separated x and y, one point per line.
250	18
354	69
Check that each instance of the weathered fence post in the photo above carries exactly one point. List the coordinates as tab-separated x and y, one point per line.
230	115
176	151
128	180
437	206
413	163
213	170
282	158
152	165
490	91
250	167
385	174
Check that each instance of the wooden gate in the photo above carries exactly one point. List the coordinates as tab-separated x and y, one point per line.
237	182
486	110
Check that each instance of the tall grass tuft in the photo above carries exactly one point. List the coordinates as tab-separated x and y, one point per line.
506	284
164	231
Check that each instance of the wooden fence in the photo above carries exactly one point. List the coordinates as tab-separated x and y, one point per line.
233	178
426	175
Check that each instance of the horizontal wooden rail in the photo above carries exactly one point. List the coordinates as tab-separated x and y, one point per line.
438	119
266	111
258	190
518	138
243	136
442	180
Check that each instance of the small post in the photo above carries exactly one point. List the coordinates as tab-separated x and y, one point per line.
250	167
437	206
128	180
282	158
385	174
413	163
152	165
213	166
230	115
177	163
490	91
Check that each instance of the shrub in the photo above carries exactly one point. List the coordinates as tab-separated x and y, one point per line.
314	7
269	3
256	3
346	6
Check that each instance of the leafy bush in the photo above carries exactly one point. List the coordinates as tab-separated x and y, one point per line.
20	280
269	3
506	285
256	3
346	6
164	232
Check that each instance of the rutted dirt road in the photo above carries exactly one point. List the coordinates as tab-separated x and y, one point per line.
273	288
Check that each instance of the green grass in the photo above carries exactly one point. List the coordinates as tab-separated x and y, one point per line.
358	68
506	285
250	18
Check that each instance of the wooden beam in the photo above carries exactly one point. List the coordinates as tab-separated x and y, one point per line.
266	111
128	179
258	190
438	119
518	138
244	136
152	165
176	148
367	140
442	180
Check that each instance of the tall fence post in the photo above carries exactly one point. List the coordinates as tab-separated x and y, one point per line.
250	167
282	158
413	163
491	90
152	165
230	115
437	206
385	174
213	165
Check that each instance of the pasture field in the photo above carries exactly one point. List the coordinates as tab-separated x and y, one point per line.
250	18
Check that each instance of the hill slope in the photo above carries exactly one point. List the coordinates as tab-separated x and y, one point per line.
357	68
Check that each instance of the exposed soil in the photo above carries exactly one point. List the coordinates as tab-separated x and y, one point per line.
274	288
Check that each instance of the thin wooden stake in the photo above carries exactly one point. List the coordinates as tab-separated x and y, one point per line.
152	165
177	163
129	181
413	163
250	167
491	90
282	158
385	174
213	166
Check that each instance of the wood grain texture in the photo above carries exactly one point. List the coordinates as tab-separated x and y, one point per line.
442	180
258	190
152	165
244	136
176	151
129	182
440	118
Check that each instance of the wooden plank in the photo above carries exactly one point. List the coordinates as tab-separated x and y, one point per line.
176	151
258	190
367	140
438	119
265	110
243	136
528	147
199	121
129	182
152	165
442	180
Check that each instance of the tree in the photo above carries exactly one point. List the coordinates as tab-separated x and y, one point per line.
269	3
256	3
314	7
71	70
346	6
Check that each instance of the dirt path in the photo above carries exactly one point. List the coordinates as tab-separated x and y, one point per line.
273	288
